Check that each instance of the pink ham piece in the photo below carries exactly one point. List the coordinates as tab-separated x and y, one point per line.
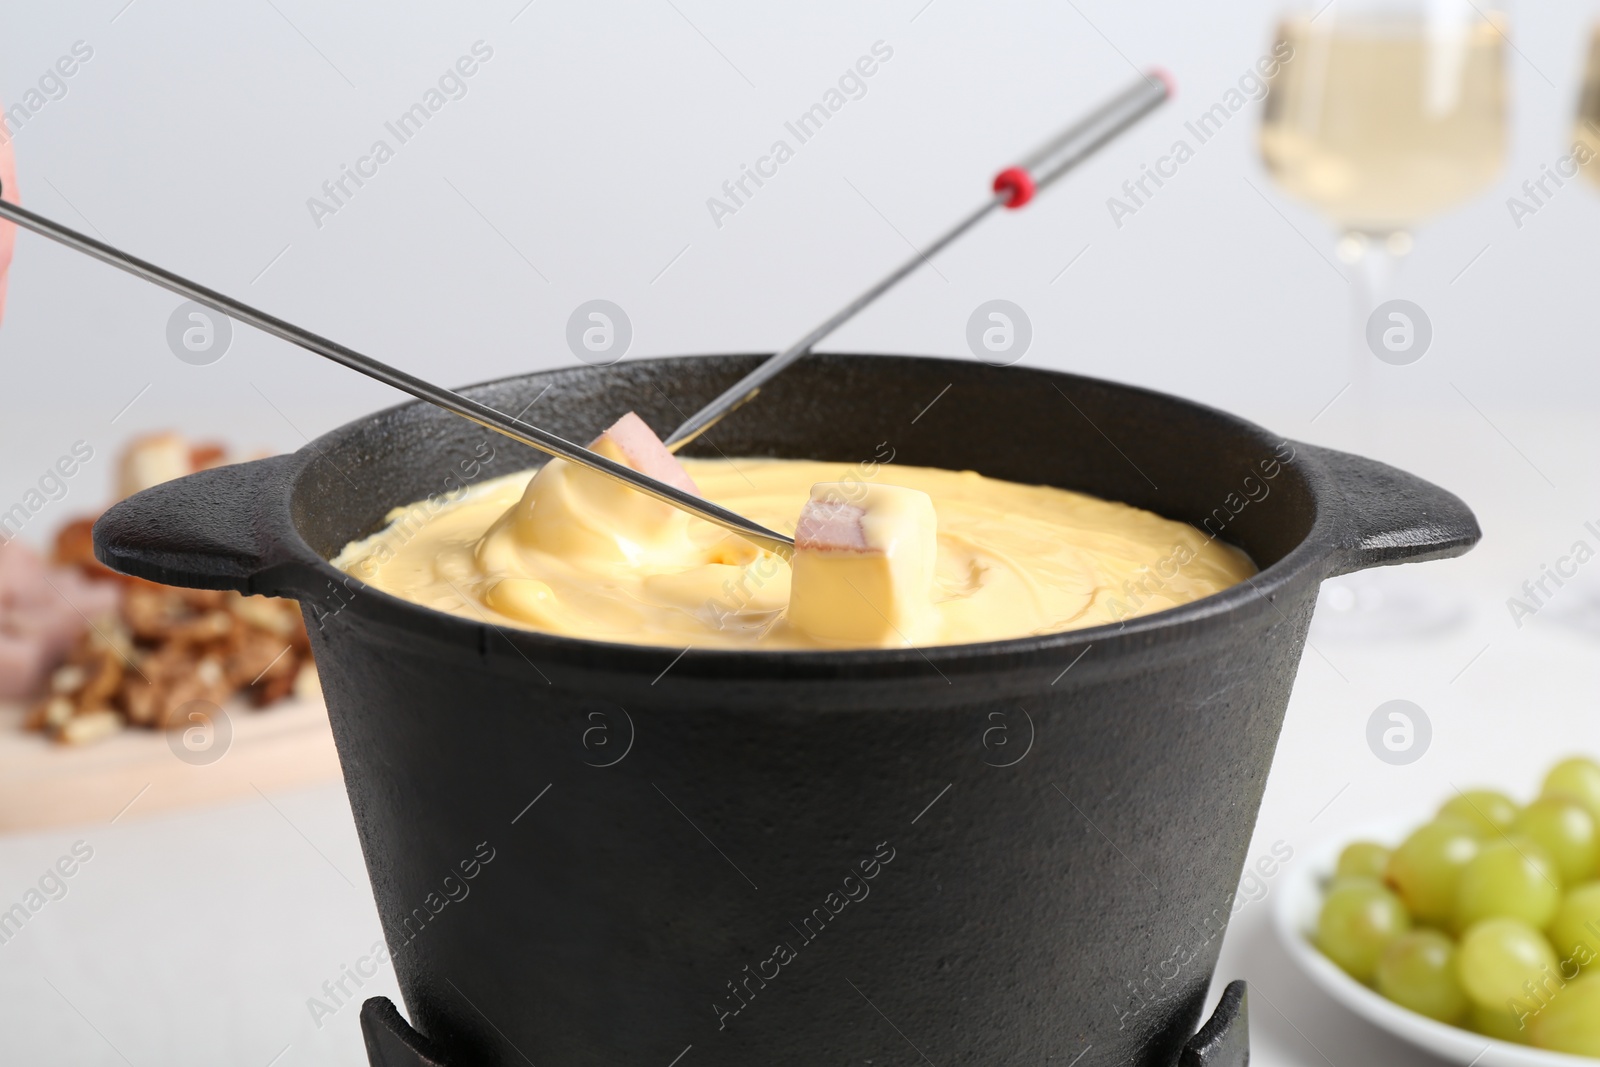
43	611
831	525
572	512
638	446
864	566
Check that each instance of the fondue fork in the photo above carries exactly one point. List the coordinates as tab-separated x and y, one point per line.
438	396
1013	187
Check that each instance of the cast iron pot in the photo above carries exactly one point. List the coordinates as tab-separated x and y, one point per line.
1023	851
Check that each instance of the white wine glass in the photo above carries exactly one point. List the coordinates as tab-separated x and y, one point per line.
1386	114
1586	131
1579	610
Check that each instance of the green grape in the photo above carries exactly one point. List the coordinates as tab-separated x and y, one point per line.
1490	813
1511	879
1499	1024
1418	971
1567	833
1497	956
1340	880
1425	868
1575	931
1359	918
1571	1021
1362	859
1577	778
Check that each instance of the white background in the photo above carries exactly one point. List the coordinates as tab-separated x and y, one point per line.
577	167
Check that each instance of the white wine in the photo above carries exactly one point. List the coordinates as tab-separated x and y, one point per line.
1587	133
1381	122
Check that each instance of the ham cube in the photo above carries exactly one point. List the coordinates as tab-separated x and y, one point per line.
864	565
24	665
43	611
630	441
21	577
572	512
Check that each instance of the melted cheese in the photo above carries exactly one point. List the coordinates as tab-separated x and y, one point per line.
570	552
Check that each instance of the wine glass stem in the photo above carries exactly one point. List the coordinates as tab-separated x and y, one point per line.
1371	282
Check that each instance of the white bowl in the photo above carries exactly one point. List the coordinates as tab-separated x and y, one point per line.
1295	917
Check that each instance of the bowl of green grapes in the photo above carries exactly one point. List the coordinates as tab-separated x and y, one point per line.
1475	934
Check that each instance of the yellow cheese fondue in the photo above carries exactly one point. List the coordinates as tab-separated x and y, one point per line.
569	552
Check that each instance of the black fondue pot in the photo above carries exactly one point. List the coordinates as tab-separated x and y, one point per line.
1021	851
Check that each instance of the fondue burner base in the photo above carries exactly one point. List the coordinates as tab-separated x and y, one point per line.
390	1040
1224	1041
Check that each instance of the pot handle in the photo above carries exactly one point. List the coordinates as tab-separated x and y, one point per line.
207	530
1389	516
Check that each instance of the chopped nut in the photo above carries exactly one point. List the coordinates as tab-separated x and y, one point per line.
253	655
211	626
86	683
160	647
81	729
267	614
57	711
209	671
165	646
68	679
149	615
182	692
106	676
111	636
273	687
140	700
207	454
74	547
174	674
156	612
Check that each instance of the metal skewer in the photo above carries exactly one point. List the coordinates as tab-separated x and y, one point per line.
1013	187
450	401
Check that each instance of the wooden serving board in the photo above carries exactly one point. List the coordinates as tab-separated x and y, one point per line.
136	772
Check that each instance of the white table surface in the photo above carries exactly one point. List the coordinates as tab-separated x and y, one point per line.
198	938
